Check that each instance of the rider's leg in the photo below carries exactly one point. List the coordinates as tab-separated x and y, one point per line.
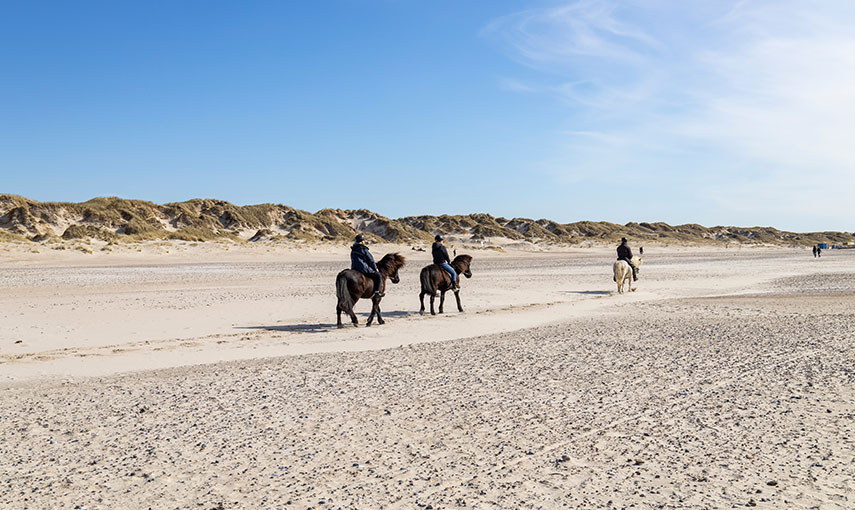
377	281
450	270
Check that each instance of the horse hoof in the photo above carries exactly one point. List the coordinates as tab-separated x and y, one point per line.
421	312
340	326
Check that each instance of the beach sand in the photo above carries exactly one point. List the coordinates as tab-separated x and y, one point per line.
213	377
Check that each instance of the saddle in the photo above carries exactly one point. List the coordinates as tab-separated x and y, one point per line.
446	278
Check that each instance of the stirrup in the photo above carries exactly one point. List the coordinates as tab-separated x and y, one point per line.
379	294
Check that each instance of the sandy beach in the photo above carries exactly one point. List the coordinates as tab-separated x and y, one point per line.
187	375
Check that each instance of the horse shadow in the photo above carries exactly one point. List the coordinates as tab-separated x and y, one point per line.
294	328
589	292
319	328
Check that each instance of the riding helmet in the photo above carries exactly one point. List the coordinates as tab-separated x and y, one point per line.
623	239
359	238
437	238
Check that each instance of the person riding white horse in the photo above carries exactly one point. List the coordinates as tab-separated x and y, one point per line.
625	253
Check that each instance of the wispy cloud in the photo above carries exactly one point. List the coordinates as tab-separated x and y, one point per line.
753	100
515	85
549	37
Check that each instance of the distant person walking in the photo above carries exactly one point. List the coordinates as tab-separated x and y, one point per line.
641	251
624	253
814	251
440	258
818	251
362	261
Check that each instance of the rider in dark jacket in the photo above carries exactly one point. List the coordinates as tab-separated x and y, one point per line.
440	258
624	253
362	261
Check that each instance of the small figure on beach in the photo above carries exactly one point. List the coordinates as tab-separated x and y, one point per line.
818	251
362	261
441	258
814	251
641	251
625	253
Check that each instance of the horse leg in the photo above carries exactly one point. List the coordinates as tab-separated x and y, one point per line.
353	316
373	312
379	318
422	301
338	316
457	295
432	298
441	301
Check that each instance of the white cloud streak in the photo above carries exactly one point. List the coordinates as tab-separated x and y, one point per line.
751	105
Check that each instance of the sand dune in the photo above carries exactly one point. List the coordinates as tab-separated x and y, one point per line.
725	380
113	220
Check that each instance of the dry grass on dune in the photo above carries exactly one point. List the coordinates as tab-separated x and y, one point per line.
207	219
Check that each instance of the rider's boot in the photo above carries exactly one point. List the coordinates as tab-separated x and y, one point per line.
379	294
634	275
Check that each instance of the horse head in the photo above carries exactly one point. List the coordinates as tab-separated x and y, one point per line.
390	264
461	265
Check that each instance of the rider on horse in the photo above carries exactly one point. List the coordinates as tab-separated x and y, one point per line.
624	253
440	258
362	261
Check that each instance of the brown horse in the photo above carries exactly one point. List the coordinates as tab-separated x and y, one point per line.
351	285
435	278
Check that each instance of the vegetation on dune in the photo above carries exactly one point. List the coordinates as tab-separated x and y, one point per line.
112	219
10	237
89	232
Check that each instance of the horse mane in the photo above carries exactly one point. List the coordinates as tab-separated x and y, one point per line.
391	262
461	261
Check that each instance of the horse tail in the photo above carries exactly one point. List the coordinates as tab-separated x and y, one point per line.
427	284
345	301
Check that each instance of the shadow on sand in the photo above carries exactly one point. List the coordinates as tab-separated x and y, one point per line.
589	292
294	328
321	328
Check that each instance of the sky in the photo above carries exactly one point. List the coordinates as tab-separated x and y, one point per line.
713	112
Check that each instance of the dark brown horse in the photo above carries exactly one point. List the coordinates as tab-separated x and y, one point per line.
351	285
435	278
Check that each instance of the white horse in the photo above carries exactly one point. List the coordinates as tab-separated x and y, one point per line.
623	273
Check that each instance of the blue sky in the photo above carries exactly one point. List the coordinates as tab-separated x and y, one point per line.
710	112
